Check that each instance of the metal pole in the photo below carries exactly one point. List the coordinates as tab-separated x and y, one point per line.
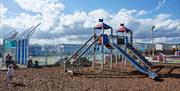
28	54
131	38
153	41
3	50
116	58
46	51
94	53
111	65
125	47
116	51
102	62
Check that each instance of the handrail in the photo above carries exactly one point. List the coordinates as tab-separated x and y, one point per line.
149	66
79	49
86	49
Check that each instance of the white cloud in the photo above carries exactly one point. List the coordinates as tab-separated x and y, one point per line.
47	12
2	9
22	21
164	22
2	13
77	27
142	12
40	6
161	3
70	20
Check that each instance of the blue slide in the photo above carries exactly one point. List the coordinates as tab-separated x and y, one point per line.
140	68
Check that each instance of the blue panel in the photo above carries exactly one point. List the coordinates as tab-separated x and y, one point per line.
105	39
16	51
19	52
25	50
22	51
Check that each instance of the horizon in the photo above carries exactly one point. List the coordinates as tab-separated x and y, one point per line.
72	22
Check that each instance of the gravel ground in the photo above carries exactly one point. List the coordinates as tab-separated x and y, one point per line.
120	78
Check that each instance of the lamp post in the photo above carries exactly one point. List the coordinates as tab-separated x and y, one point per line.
153	40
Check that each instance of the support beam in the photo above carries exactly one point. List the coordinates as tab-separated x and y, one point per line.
111	64
94	52
116	58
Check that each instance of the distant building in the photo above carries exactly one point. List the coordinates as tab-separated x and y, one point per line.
143	46
53	50
68	49
35	50
158	46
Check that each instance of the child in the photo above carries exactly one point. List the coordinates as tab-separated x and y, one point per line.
10	73
29	65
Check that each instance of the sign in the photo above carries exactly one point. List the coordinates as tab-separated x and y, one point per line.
159	47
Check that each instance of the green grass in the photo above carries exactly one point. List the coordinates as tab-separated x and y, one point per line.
175	61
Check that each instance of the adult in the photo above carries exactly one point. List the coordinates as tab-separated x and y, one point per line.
29	65
8	60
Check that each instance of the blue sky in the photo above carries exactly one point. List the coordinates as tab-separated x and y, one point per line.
171	6
64	20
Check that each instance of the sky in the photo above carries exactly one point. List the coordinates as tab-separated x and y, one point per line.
72	21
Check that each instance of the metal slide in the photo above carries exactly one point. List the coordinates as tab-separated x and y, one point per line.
139	56
151	74
84	48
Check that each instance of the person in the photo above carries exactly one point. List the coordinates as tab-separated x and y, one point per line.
10	73
36	64
14	64
29	65
8	60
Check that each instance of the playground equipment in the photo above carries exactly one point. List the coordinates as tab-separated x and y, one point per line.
20	43
177	53
128	43
108	41
100	39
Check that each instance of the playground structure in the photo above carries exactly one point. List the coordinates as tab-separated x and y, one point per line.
122	46
18	45
168	59
177	53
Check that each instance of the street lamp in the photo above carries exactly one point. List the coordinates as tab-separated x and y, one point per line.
153	41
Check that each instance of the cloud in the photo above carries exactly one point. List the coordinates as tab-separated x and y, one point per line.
41	6
46	11
3	11
161	3
142	12
77	27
